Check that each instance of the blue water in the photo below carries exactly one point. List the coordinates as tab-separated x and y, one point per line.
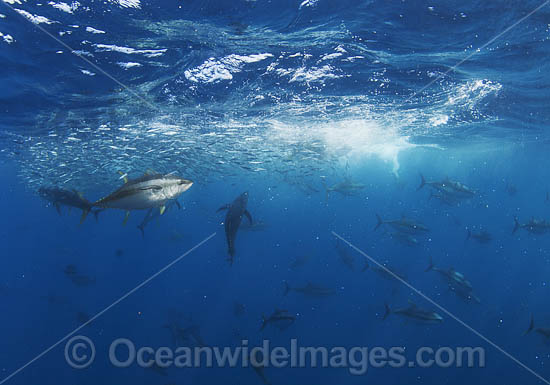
283	99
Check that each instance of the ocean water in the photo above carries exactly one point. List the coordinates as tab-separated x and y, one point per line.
329	114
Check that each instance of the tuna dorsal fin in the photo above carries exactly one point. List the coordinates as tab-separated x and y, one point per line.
123	176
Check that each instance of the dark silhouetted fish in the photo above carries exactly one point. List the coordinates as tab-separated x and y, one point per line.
545	332
403	225
385	272
310	290
280	318
154	214
534	226
482	236
345	256
414	312
300	261
69	198
238	309
457	282
233	218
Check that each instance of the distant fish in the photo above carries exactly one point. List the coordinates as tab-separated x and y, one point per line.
238	309
259	369
456	280
345	256
534	226
545	332
386	272
310	290
346	187
448	186
233	218
511	189
414	312
404	238
300	261
402	225
280	318
482	236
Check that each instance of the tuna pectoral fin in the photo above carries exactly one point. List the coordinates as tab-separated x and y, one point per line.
57	207
248	216
430	265
84	214
387	311
264	322
178	204
126	218
287	288
380	222
422	182
224	207
141	228
516	226
162	209
531	325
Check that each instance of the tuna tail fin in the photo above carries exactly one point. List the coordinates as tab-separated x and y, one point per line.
84	215
516	225
387	311
287	288
531	325
380	222
422	182
431	265
365	268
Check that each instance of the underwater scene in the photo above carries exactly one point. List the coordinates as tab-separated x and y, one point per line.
275	192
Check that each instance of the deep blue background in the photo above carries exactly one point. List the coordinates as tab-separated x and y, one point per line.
500	138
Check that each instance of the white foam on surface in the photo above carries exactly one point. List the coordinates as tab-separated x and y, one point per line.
214	70
128	65
7	38
93	30
127	3
130	51
35	19
69	8
309	75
